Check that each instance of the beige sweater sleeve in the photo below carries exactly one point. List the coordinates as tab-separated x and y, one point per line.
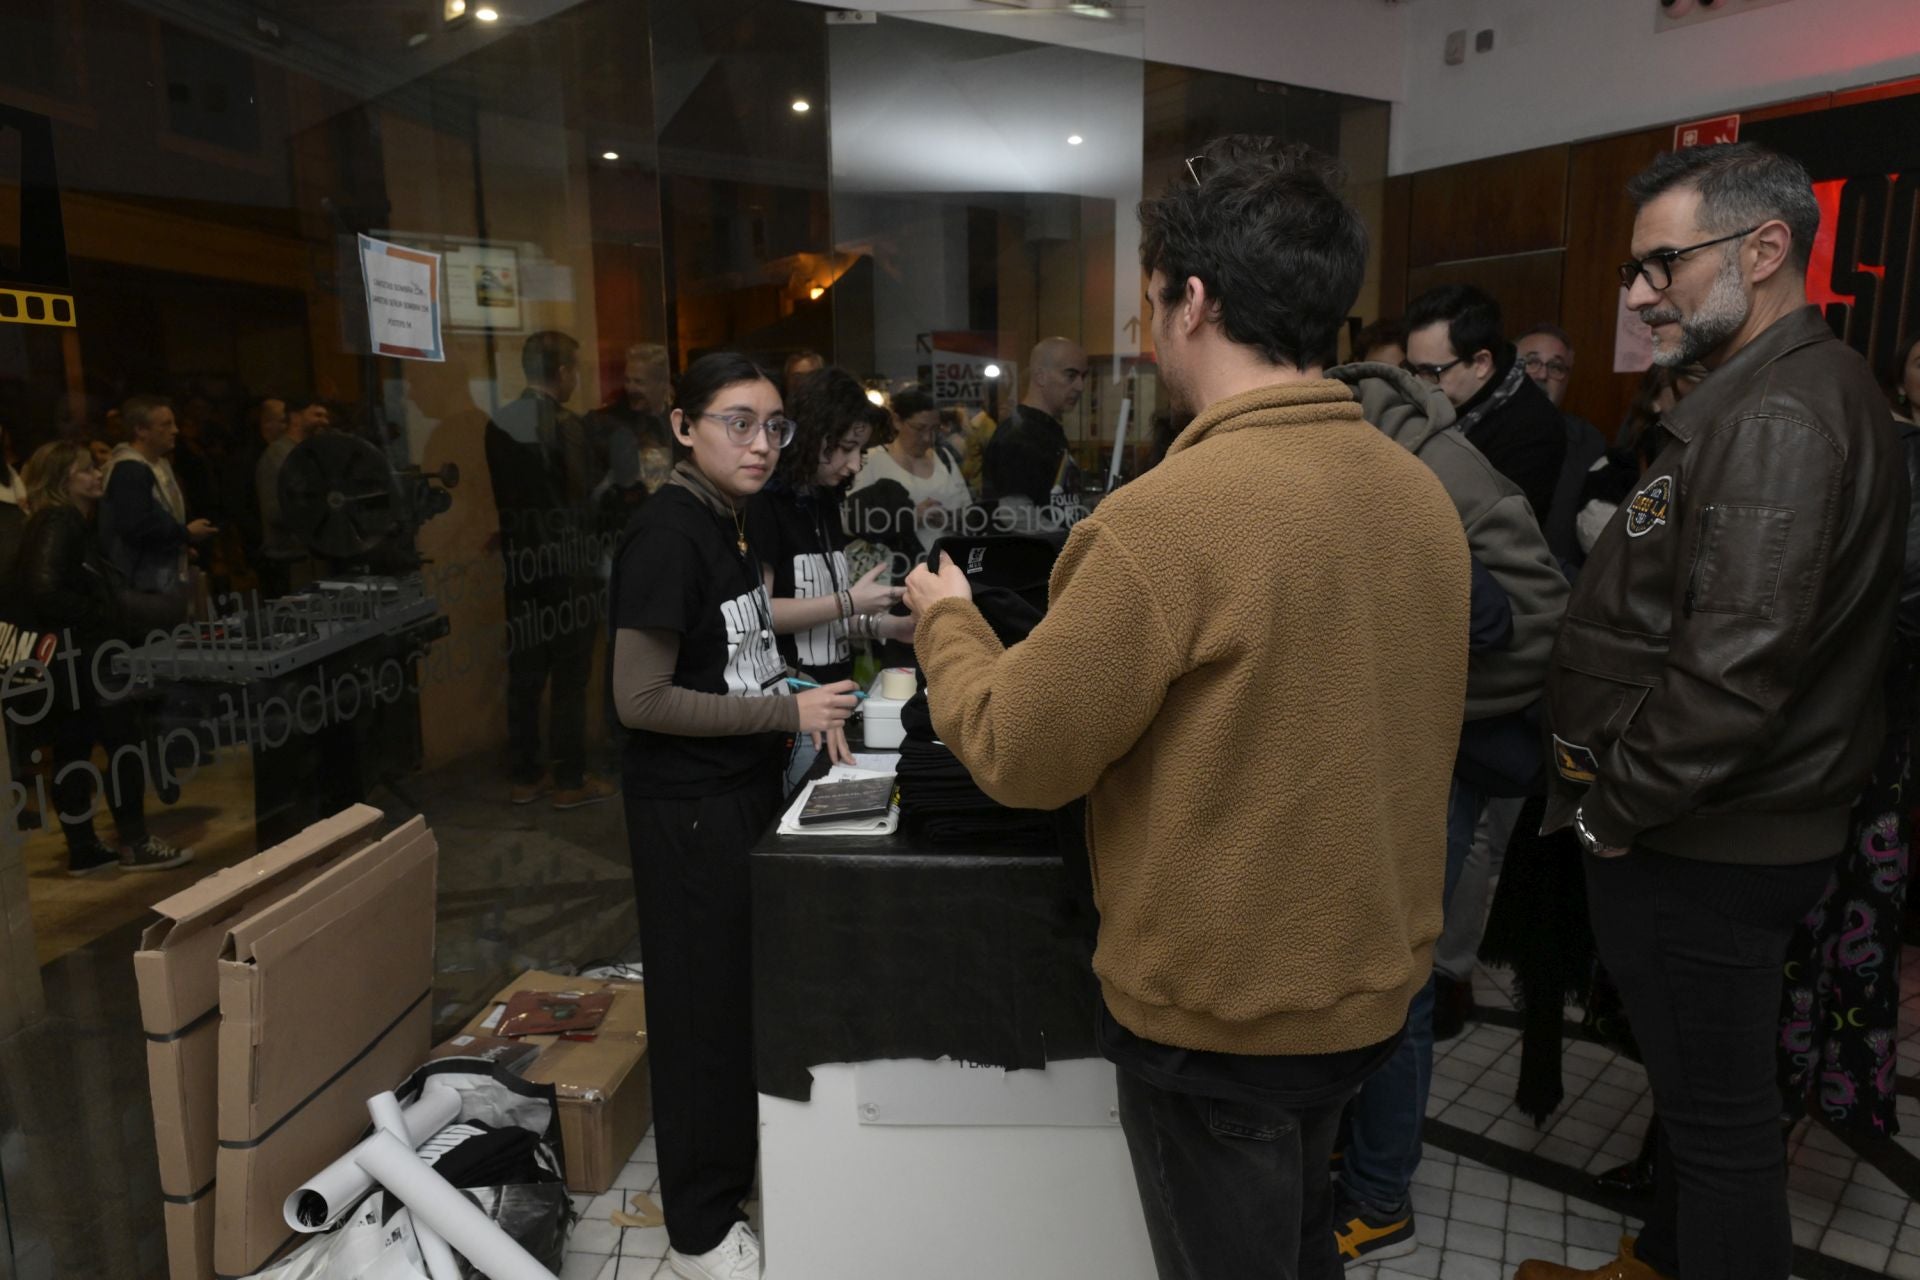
647	698
1036	725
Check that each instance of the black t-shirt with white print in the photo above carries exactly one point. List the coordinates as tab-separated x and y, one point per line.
798	533
681	570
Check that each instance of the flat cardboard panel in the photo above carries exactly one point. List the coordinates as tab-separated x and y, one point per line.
325	1000
255	1182
190	1239
325	980
175	964
178	978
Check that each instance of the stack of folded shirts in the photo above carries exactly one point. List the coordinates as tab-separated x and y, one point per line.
940	803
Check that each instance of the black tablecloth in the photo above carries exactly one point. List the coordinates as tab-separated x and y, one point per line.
866	948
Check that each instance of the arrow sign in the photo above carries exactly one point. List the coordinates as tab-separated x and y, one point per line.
1133	328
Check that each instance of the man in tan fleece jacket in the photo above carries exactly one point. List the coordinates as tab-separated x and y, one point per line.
1254	664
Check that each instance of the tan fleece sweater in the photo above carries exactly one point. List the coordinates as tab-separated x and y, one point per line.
1254	662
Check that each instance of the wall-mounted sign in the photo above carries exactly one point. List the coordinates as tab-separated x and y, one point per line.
968	380
1707	133
403	300
484	289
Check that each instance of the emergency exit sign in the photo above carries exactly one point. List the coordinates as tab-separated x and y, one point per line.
1707	133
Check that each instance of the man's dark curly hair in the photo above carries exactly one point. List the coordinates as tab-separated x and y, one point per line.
829	403
1280	253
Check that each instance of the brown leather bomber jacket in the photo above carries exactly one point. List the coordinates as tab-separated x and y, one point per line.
1716	688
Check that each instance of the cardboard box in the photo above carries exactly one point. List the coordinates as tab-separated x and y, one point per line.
606	1101
325	1000
179	984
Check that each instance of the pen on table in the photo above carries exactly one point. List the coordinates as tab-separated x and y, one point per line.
797	683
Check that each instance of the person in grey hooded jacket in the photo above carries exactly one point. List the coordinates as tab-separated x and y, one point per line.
1499	755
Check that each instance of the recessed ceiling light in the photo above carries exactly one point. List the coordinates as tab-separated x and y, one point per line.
1104	10
454	9
1074	139
802	106
487	14
609	155
992	371
875	395
417	39
817	293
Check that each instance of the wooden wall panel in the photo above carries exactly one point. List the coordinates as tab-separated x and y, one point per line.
1526	285
1489	208
1599	235
1394	229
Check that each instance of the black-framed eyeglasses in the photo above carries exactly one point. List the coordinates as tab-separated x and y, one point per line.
1556	368
1431	372
1657	266
740	428
1193	168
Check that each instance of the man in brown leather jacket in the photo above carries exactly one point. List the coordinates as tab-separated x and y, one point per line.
1714	701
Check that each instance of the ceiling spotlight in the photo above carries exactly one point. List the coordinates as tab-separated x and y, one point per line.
609	155
452	9
487	13
992	371
1074	139
877	396
1098	9
817	292
417	39
801	106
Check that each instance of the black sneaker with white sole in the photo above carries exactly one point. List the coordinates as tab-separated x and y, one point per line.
153	854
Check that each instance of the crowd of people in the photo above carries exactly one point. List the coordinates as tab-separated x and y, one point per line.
1672	667
118	525
1682	677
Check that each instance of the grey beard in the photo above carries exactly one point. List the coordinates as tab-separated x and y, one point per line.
1708	329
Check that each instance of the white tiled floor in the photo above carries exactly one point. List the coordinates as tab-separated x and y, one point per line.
1476	1223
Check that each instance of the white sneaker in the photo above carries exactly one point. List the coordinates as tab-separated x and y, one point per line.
735	1258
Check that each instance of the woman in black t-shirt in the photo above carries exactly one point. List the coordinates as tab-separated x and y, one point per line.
699	681
795	528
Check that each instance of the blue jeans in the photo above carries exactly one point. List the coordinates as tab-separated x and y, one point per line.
1387	1116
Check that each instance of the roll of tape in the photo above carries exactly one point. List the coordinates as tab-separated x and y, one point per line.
898	683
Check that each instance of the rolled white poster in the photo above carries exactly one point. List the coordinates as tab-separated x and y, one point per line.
315	1204
441	1264
436	1204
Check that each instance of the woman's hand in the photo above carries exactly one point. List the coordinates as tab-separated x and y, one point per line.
834	743
870	595
825	709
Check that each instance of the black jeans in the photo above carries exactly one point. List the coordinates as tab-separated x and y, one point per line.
119	727
544	654
696	944
1233	1190
1696	949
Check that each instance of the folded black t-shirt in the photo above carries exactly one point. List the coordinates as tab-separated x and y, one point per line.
681	570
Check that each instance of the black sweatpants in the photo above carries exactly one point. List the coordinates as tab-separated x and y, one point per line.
696	943
558	667
1696	949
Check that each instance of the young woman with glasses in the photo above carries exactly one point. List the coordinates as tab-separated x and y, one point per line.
699	681
795	527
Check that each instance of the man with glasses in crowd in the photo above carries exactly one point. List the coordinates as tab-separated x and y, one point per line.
1547	353
1454	341
1714	704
